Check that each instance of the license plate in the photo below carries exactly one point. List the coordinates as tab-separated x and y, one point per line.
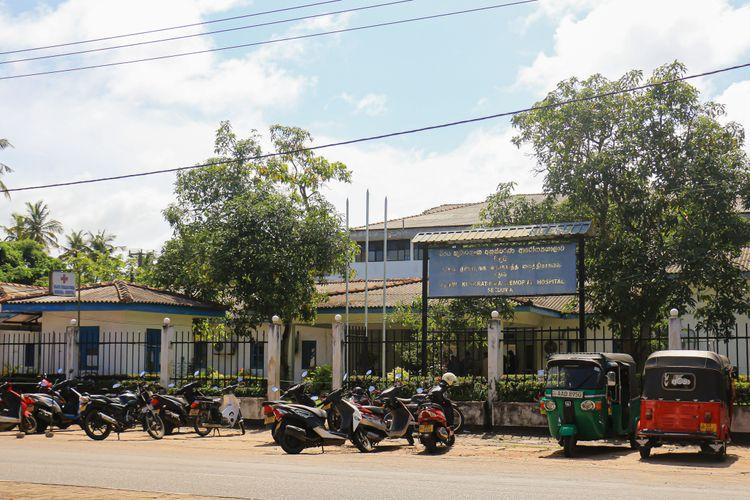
705	427
194	412
425	428
269	419
560	393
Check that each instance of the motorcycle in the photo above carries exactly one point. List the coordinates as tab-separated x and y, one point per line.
392	420
434	432
16	410
303	427
417	400
295	395
103	414
174	409
217	413
55	405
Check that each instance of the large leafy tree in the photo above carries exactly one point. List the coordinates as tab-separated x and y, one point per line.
25	261
253	234
660	174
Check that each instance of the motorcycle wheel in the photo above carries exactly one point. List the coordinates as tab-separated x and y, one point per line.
458	419
28	425
199	424
155	426
362	442
275	434
241	425
569	446
168	428
430	443
41	427
96	428
289	444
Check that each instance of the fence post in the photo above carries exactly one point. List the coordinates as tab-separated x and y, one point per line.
494	361
675	327
273	361
71	351
336	353
167	335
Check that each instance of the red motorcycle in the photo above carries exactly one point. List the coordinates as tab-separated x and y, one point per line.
435	431
15	410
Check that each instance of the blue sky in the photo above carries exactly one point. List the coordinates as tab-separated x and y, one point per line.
163	114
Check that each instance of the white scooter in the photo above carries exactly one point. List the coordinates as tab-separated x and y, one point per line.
214	413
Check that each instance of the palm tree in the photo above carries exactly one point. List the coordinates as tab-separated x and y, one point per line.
38	225
16	231
4	169
76	242
101	242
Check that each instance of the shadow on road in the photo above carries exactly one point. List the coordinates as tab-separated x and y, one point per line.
689	459
592	453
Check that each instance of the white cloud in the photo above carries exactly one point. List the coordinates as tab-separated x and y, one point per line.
369	104
415	180
612	36
735	98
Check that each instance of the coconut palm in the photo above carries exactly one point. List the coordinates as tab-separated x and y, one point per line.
4	169
76	242
16	231
101	242
38	226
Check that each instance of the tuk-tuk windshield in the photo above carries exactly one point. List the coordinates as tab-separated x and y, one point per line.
574	377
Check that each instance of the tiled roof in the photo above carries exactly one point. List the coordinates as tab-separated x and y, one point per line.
405	291
117	292
11	291
507	233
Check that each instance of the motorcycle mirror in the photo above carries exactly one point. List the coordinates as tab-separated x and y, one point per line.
142	374
274	389
117	385
214	388
420	390
398	376
314	398
240	379
346	375
368	372
196	373
59	371
171	385
371	388
304	374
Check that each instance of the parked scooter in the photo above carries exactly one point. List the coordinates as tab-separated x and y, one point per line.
103	414
390	421
174	409
294	396
217	413
15	410
417	400
303	427
55	405
435	432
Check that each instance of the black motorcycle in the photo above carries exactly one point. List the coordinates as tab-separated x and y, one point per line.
174	409
295	395
103	414
214	413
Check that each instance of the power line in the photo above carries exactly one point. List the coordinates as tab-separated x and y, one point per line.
396	134
159	30
205	33
276	40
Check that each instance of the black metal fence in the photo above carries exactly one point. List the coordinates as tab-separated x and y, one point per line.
461	351
30	354
218	362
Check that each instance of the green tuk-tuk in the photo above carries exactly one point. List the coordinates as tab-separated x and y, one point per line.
591	396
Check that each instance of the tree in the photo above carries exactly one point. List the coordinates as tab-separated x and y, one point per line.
25	261
76	242
101	242
659	175
4	169
36	225
94	267
17	230
247	236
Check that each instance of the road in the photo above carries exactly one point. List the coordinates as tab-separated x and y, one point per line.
479	466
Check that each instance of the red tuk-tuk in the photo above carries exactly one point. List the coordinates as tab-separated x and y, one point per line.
687	399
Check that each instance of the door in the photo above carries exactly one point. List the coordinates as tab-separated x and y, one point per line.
153	350
88	349
309	354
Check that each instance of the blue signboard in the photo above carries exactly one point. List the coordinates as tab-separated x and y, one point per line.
522	270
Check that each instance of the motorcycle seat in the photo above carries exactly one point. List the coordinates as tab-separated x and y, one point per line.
180	401
378	410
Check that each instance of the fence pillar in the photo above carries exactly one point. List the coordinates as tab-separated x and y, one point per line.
675	328
494	360
167	336
71	350
336	353
273	361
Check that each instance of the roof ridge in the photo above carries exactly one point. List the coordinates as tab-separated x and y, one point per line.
122	291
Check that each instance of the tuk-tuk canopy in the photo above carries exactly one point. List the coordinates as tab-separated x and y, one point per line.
600	358
688	359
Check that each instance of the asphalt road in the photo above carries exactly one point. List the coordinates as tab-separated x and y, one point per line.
478	467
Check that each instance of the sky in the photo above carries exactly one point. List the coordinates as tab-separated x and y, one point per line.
164	114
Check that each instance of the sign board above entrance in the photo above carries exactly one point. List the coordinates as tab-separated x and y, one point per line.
63	284
526	269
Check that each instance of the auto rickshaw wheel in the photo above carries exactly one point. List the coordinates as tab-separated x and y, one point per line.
645	452
633	443
719	456
569	446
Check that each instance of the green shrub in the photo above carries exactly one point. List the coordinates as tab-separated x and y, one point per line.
465	389
320	379
742	390
519	388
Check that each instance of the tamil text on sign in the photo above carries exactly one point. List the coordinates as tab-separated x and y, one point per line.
479	271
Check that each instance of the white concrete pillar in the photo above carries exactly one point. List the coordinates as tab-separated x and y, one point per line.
337	353
675	328
71	350
273	360
165	349
494	358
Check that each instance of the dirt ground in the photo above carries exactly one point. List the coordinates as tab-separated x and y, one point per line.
520	454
